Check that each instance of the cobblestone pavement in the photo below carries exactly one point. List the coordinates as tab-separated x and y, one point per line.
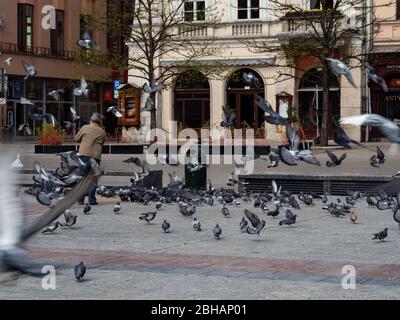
130	259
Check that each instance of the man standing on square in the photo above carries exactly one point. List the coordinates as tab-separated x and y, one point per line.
92	138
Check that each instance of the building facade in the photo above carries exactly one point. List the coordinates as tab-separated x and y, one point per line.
199	104
24	37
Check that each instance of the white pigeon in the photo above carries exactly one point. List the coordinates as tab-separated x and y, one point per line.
8	60
17	164
82	90
26	101
56	94
30	69
114	111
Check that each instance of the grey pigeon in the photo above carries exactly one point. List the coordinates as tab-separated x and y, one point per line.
87	209
30	70
374	77
243	224
256	224
252	79
157	87
396	216
378	159
334	160
381	235
217	231
117	208
390	129
82	90
51	228
86	42
290	218
147	216
339	68
114	111
225	211
80	270
196	225
229	117
165	226
56	94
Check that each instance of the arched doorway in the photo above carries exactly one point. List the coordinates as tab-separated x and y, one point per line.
386	104
241	98
192	100
310	102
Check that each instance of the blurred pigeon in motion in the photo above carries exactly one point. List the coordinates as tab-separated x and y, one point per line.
114	111
8	60
341	138
290	218
83	88
229	117
273	117
166	226
381	235
17	164
378	159
80	270
196	225
138	162
334	160
243	224
339	68
24	127
51	228
86	42
147	216
30	70
274	158
25	101
374	77
273	213
217	231
56	94
390	129
396	216
252	79
157	87
149	105
87	209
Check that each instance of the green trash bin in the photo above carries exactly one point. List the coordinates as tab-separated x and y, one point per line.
196	179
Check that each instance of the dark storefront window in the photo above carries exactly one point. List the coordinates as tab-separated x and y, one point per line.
57	35
25	27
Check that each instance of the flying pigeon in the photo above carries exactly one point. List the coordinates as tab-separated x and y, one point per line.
8	61
56	94
217	231
256	224
381	235
149	105
290	218
339	68
374	77
157	87
17	164
80	270
165	226
273	117
30	69
229	117
25	101
140	163
252	79
25	127
341	138
114	111
83	88
85	42
334	160
378	159
390	129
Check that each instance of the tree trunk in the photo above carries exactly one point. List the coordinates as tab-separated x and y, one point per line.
325	108
153	122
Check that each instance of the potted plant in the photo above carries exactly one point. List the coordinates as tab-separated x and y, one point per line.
49	135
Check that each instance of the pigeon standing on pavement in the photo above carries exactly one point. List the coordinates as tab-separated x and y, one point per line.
51	228
381	235
225	211
353	217
80	270
196	225
117	208
243	224
165	226
378	159
217	231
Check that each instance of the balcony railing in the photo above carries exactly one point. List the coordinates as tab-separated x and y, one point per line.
13	48
193	31
247	29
